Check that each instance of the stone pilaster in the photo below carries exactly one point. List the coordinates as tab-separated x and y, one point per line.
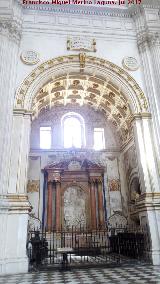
14	147
10	34
13	237
149	49
148	166
146	205
18	162
14	204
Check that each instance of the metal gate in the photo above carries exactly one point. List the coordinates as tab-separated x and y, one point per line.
82	247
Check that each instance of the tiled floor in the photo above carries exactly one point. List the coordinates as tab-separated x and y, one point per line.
121	275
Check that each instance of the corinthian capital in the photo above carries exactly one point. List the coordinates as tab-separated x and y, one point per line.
154	39
11	29
147	39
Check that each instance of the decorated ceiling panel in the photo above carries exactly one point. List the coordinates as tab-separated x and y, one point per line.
86	90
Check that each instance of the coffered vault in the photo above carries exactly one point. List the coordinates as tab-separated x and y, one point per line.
95	82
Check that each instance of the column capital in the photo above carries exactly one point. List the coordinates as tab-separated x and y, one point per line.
140	116
154	39
11	29
147	39
22	112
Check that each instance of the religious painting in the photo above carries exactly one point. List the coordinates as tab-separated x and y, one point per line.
74	207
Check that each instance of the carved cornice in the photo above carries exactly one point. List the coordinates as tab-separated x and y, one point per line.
19	112
11	28
139	116
81	10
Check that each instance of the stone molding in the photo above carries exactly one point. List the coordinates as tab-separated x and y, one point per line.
146	201
81	10
16	203
19	112
11	28
126	12
140	116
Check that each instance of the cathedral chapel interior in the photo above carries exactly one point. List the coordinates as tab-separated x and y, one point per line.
80	121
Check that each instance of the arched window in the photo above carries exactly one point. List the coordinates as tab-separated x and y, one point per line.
73	130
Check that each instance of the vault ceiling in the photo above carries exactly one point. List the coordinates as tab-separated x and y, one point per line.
87	90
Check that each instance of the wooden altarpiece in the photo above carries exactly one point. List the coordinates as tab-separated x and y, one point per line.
74	174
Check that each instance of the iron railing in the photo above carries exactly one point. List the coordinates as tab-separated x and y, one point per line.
85	247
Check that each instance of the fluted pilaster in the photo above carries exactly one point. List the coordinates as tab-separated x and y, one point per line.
10	33
58	205
148	166
93	205
148	45
49	207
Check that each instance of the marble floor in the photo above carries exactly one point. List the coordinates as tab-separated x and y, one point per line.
120	275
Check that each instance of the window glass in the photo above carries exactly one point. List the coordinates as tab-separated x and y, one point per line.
99	142
45	137
72	132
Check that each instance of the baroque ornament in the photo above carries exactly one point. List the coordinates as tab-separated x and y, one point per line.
114	185
81	44
33	186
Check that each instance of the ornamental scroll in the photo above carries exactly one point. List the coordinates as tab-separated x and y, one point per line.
81	44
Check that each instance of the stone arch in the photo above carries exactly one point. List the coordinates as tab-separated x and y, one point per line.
98	67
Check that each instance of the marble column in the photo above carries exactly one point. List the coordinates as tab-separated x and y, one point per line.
58	206
100	205
93	205
49	207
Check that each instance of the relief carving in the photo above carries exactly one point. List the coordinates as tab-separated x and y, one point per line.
33	186
114	185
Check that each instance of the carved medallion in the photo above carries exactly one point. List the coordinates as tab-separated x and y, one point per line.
130	63
30	57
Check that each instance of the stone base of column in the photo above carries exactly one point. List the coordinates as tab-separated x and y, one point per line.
13	235
14	266
155	256
148	208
